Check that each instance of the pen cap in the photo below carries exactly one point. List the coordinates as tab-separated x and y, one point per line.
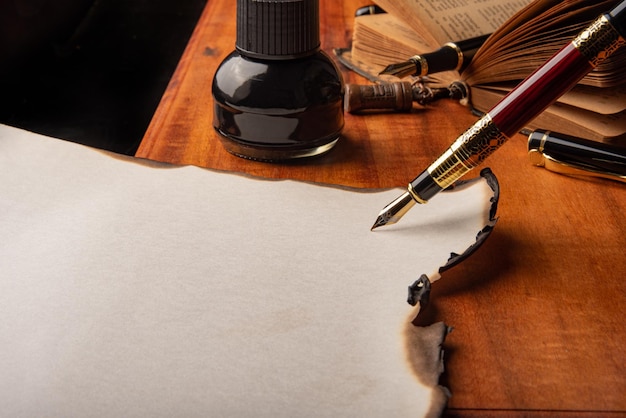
277	29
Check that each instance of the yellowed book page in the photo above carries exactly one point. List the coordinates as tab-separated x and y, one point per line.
453	20
605	101
517	21
531	37
379	40
390	26
563	118
579	122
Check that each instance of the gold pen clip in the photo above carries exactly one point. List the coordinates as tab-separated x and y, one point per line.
541	159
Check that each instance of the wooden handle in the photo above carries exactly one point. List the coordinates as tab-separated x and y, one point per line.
396	96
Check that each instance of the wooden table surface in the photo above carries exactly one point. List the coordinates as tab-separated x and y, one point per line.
537	311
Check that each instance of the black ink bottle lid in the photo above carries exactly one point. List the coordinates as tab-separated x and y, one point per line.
278	96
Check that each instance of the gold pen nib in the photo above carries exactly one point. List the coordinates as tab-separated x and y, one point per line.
394	211
400	70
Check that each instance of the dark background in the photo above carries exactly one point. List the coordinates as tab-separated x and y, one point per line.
90	71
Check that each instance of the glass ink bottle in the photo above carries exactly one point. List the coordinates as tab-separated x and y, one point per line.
278	96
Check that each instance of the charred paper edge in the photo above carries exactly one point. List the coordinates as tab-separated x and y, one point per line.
419	291
484	233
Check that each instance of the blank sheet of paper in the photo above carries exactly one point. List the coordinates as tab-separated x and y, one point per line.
134	289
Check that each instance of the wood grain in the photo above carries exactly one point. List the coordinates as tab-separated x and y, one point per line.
537	311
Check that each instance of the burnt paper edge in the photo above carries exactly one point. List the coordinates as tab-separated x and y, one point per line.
425	343
419	290
484	233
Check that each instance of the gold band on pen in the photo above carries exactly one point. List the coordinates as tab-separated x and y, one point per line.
598	41
459	54
536	155
422	63
415	196
467	152
543	140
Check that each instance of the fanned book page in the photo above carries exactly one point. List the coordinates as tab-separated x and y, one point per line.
135	289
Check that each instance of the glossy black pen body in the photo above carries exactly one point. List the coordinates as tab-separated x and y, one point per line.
566	154
372	9
451	56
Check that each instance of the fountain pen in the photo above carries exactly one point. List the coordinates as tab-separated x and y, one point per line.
451	56
532	96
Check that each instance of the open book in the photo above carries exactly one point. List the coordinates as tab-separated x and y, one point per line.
524	34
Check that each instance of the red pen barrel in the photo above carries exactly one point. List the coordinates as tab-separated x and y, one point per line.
531	97
539	90
526	101
560	73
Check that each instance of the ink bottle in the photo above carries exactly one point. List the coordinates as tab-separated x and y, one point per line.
278	96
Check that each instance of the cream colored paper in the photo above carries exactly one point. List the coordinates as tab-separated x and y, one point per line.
141	290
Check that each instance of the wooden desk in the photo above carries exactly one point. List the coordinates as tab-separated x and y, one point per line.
537	311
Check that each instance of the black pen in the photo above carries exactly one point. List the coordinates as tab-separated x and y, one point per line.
368	10
571	155
451	56
532	96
